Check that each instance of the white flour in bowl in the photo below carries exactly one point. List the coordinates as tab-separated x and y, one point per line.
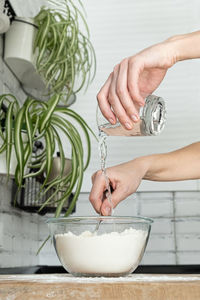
109	253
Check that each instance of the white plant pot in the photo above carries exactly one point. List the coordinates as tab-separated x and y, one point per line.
13	159
18	53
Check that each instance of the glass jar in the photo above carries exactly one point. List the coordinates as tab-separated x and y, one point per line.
152	120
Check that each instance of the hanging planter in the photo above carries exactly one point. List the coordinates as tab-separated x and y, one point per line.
18	54
27	197
45	121
53	46
28	194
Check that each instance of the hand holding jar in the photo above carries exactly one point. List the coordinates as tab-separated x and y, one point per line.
138	76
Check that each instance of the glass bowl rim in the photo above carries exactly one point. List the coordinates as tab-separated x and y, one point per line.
132	219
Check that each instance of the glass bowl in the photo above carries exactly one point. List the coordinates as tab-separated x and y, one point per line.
114	248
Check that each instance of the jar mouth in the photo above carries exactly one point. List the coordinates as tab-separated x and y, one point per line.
91	219
153	115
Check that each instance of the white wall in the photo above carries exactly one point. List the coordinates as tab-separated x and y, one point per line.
26	8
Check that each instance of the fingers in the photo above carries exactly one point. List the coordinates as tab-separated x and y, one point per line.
102	99
135	68
97	191
99	195
116	197
127	99
118	104
120	96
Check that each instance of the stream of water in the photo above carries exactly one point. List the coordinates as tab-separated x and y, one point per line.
103	155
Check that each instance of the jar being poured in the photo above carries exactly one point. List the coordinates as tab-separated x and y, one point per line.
152	120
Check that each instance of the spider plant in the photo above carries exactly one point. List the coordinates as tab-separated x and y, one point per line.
65	53
44	121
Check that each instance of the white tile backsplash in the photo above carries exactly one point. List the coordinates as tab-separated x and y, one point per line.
161	243
173	238
187	205
188	225
157	208
162	226
189	257
188	242
159	258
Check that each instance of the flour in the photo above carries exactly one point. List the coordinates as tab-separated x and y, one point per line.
106	254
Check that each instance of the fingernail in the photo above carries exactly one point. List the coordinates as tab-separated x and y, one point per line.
107	210
135	118
128	125
111	121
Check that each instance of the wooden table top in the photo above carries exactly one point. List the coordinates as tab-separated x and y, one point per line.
132	287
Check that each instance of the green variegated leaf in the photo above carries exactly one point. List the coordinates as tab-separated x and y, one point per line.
19	147
9	133
77	151
49	154
46	121
3	148
64	50
84	127
52	103
42	168
29	123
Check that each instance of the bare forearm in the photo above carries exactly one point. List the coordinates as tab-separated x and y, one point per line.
185	46
182	164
